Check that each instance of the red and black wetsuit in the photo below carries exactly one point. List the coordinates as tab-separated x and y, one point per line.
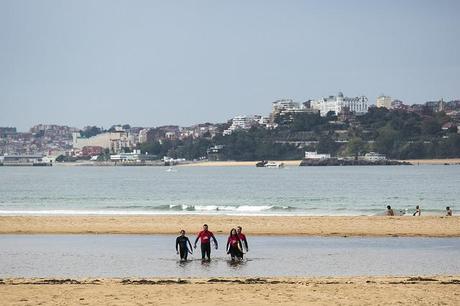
205	239
234	247
242	238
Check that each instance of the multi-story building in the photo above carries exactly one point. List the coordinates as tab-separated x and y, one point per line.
114	141
384	101
240	123
335	104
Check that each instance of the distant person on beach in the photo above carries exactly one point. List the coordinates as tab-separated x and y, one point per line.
234	246
242	237
417	212
205	237
390	211
182	246
449	211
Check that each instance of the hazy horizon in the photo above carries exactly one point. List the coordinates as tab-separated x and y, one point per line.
152	63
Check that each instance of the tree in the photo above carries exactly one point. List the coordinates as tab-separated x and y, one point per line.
355	146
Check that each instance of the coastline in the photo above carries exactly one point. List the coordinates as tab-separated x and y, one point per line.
290	163
365	226
381	290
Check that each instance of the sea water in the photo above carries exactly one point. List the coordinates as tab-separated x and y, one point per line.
155	256
360	190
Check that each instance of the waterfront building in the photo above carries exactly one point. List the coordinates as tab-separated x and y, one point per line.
315	155
384	101
336	104
134	156
372	156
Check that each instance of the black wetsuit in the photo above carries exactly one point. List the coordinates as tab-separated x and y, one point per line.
183	244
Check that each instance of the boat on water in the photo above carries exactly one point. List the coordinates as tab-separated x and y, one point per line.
269	164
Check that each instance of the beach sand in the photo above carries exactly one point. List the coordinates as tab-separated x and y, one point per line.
449	161
433	290
237	163
429	226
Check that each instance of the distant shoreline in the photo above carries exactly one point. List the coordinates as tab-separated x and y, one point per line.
290	163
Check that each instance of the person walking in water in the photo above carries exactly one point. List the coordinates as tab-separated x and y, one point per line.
448	211
390	211
242	237
417	212
205	237
182	246
234	247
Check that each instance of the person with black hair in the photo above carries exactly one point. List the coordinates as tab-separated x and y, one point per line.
205	237
234	247
182	246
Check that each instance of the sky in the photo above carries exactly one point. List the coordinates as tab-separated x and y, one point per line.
152	63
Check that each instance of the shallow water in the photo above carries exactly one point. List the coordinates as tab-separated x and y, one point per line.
155	256
227	190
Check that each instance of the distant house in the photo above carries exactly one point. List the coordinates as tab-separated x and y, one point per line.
372	156
315	155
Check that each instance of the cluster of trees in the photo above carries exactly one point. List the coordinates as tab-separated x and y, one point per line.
397	134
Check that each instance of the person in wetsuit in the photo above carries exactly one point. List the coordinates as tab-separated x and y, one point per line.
205	237
234	246
242	238
182	244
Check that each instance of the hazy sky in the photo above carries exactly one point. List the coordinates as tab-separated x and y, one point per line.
151	63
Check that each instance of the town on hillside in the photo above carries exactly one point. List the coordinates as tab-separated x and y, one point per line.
335	126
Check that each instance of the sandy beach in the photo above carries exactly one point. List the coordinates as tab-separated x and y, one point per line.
429	226
236	163
450	161
429	290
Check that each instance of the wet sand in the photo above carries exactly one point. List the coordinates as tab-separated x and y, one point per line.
425	226
431	290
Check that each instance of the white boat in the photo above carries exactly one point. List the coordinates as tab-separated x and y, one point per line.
274	165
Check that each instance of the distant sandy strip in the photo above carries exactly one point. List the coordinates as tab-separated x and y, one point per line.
237	163
450	161
433	290
429	226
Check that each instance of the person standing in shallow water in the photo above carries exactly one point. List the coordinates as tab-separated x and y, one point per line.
390	211
417	212
205	237
242	237
182	244
234	246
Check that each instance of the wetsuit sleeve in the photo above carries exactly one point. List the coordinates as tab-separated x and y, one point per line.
215	240
177	243
190	244
197	237
245	242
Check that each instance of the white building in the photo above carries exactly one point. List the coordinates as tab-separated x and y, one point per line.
124	157
384	101
315	155
372	156
284	105
240	123
336	104
142	138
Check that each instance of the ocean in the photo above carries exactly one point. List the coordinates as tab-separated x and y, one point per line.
353	190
